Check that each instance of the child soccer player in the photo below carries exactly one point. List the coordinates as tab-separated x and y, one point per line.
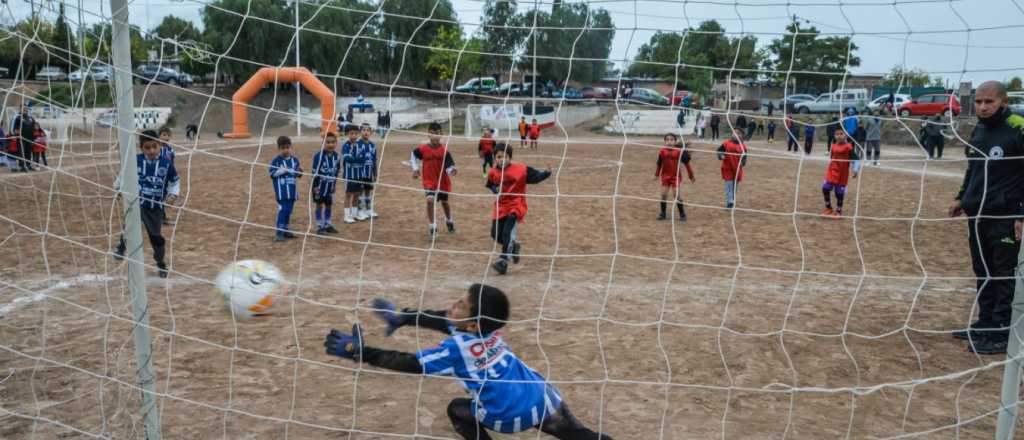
506	395
39	146
438	169
534	134
166	151
671	174
284	172
326	165
368	173
771	131
353	161
838	174
809	137
792	135
486	149
733	155
508	180
523	129
157	178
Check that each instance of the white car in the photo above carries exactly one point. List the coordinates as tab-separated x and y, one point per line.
101	73
78	75
881	102
50	74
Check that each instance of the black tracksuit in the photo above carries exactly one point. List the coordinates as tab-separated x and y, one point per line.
991	195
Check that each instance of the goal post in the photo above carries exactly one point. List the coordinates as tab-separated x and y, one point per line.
503	118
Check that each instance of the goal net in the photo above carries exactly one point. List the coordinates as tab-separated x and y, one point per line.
770	318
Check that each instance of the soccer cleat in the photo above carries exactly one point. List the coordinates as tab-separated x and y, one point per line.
730	206
451	227
432	231
348	219
988	346
161	269
682	219
320	231
972	331
288	235
500	266
515	253
329	228
662	216
361	215
835	214
371	213
827	212
278	237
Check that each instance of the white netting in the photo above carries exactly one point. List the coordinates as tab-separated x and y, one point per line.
764	321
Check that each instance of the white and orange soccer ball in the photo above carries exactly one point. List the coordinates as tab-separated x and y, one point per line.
249	287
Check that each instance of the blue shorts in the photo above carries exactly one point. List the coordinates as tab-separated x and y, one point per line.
829	186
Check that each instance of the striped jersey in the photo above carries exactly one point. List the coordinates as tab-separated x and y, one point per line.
369	152
156	178
166	151
284	172
508	396
326	166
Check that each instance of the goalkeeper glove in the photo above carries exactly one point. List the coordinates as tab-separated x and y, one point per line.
387	311
349	346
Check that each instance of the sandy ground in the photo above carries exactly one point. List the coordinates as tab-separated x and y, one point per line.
764	322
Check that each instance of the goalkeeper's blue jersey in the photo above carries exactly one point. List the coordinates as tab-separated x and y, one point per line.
508	396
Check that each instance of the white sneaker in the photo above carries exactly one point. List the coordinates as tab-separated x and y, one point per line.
372	213
349	219
361	215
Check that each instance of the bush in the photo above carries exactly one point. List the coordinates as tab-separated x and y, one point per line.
89	94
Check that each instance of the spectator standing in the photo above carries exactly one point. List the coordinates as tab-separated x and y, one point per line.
715	122
21	131
873	138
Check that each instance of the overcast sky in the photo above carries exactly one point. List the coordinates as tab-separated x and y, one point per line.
960	39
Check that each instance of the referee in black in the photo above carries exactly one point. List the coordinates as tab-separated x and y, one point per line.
992	195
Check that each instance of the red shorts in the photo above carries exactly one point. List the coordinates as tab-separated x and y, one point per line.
669	181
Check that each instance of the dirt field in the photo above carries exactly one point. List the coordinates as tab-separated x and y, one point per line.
765	322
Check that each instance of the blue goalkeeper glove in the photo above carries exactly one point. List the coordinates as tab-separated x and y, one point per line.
349	346
387	311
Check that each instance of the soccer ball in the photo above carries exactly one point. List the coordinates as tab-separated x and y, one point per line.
249	287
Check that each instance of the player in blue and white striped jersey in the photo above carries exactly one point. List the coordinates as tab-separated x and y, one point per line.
505	394
369	172
158	186
166	151
284	172
326	166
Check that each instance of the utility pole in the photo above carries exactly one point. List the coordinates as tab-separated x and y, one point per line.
121	53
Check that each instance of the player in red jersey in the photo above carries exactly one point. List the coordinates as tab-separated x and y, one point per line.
486	149
508	180
438	168
733	155
534	134
838	174
671	174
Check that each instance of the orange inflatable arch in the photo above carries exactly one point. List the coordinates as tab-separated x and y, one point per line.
267	75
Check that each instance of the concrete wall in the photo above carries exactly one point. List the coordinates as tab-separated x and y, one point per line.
652	122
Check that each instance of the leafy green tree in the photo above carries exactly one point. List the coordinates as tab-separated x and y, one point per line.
572	36
454	55
501	35
1015	84
403	21
816	59
64	41
898	76
248	34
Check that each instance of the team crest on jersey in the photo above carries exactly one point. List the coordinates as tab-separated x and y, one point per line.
996	152
161	171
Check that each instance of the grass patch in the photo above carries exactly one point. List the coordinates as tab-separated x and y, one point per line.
88	94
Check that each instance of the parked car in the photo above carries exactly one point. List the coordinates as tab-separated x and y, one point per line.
570	94
647	96
508	89
596	93
78	75
792	100
478	85
155	73
882	102
185	79
835	102
51	74
101	73
931	104
1017	102
679	96
4	72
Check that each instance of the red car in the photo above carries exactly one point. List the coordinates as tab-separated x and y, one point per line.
929	105
596	93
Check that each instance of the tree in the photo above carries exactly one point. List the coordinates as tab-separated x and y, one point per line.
176	29
898	76
454	55
501	36
573	37
1015	84
247	34
815	61
403	21
697	56
63	39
